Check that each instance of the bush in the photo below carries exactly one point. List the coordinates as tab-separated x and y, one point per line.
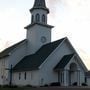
8	86
84	84
14	86
5	86
74	84
46	85
0	85
55	84
28	86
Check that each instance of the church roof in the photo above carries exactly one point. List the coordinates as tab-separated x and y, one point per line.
41	24
88	74
32	62
8	50
63	62
40	4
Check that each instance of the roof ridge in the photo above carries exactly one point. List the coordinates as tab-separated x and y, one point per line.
6	51
54	41
62	62
33	61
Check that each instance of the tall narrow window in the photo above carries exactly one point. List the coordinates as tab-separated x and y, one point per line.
61	77
31	75
32	19
25	75
85	80
19	76
37	18
43	18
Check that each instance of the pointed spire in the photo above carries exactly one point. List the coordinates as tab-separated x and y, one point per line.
40	4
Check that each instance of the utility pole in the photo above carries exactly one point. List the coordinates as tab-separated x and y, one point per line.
10	71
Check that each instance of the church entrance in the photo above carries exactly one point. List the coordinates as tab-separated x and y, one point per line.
73	75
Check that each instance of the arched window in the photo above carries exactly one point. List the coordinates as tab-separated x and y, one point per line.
32	19
19	76
43	18
37	18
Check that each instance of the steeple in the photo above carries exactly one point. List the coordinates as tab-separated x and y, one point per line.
40	4
38	31
39	12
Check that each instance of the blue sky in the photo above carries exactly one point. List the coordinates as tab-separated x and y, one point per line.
71	18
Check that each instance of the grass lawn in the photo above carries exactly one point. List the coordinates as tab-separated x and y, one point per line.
23	88
47	88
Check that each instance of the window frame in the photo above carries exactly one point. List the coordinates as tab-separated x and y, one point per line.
37	17
43	18
25	75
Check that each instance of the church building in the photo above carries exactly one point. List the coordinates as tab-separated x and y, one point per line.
37	61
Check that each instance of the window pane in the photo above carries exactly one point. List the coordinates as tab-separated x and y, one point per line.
19	76
25	75
43	18
37	17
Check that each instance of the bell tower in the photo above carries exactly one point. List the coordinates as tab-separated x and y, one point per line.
39	12
38	32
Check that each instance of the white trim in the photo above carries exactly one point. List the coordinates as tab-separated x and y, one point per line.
51	53
81	62
17	47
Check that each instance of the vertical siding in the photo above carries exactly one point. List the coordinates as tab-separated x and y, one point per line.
82	75
17	55
34	35
32	78
3	71
47	72
88	81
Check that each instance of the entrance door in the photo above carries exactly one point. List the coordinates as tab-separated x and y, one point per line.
73	76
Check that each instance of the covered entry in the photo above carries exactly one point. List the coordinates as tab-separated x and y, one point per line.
74	74
67	71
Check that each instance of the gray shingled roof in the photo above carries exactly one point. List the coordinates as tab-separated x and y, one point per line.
63	62
9	49
32	62
45	25
40	4
88	74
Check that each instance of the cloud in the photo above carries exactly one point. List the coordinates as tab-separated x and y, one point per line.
68	4
53	6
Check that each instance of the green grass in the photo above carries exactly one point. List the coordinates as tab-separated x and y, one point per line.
46	88
19	88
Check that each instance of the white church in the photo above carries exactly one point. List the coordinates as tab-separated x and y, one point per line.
37	61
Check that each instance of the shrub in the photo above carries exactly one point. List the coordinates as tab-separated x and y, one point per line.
5	86
14	86
55	84
28	85
84	84
74	84
8	86
46	85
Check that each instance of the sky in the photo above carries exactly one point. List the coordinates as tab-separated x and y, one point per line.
71	18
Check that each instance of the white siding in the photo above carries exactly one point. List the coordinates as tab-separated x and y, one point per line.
32	78
40	12
47	72
3	71
17	55
79	67
88	81
34	35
